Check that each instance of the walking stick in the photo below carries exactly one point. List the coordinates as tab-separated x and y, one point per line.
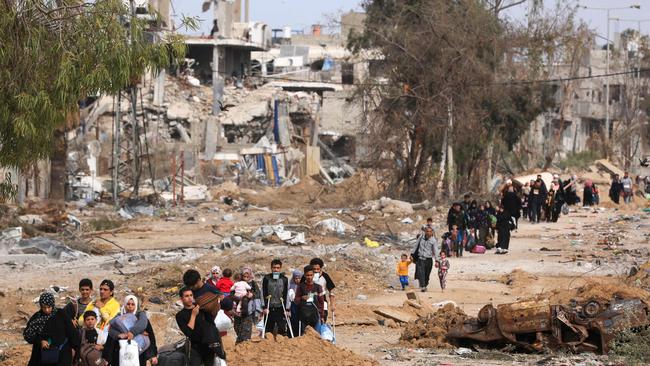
334	325
266	319
286	318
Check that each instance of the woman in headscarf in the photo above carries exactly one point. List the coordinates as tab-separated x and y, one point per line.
291	294
244	323
49	330
215	275
106	307
133	325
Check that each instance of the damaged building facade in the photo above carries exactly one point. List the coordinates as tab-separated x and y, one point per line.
583	125
213	119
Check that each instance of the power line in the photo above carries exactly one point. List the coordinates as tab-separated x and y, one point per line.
506	82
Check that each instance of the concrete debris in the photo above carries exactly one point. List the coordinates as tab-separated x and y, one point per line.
179	111
9	238
389	206
54	249
334	225
284	235
31	219
228	218
396	315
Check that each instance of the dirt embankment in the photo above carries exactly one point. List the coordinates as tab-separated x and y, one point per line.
310	193
307	350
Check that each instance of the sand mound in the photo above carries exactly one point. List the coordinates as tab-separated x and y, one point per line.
431	331
308	192
306	350
596	290
517	277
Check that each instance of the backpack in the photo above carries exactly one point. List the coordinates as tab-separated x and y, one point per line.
174	354
87	353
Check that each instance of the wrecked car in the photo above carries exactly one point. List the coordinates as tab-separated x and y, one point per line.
537	325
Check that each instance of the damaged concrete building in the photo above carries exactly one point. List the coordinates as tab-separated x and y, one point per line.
588	119
209	119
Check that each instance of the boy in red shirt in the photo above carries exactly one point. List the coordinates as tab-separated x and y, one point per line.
225	283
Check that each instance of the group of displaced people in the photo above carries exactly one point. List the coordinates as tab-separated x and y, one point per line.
473	226
91	332
625	188
87	331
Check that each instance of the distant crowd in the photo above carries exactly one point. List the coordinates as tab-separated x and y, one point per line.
479	226
100	331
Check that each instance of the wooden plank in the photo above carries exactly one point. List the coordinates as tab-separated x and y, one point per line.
396	315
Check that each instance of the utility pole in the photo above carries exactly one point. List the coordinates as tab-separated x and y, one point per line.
607	119
451	172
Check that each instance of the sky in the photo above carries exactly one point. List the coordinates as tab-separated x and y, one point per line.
301	14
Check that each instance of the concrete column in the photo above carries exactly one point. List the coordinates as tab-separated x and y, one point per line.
159	89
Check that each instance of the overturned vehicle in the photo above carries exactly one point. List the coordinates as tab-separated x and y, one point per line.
536	325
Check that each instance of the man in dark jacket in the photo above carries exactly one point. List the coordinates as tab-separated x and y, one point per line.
200	329
275	286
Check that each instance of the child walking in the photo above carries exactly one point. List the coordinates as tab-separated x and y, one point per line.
443	267
403	271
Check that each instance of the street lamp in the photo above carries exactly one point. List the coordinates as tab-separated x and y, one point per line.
607	122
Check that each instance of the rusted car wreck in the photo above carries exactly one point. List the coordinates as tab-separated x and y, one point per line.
538	325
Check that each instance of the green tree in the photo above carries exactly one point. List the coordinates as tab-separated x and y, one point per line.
55	53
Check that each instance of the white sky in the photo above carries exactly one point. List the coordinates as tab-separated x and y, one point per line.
301	14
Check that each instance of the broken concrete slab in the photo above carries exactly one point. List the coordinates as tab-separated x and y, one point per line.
335	225
54	249
610	168
31	219
179	111
9	238
396	315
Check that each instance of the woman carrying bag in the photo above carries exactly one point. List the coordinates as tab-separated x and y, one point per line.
51	334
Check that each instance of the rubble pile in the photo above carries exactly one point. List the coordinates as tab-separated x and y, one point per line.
431	331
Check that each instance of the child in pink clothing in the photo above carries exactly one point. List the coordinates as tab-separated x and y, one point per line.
241	290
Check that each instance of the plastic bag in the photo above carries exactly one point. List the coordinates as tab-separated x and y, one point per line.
326	333
129	354
222	321
102	335
565	209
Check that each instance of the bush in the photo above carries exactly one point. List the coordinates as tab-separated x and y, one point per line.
104	223
580	161
633	346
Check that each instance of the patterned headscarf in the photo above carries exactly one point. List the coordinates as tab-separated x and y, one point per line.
215	269
36	324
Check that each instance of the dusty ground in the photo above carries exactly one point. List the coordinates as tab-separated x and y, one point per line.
587	245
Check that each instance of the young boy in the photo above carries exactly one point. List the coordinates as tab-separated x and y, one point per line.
403	271
90	353
77	307
224	284
443	267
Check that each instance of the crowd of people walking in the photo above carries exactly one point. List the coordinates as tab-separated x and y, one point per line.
100	331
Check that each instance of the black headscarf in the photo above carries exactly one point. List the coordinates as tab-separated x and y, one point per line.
36	324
